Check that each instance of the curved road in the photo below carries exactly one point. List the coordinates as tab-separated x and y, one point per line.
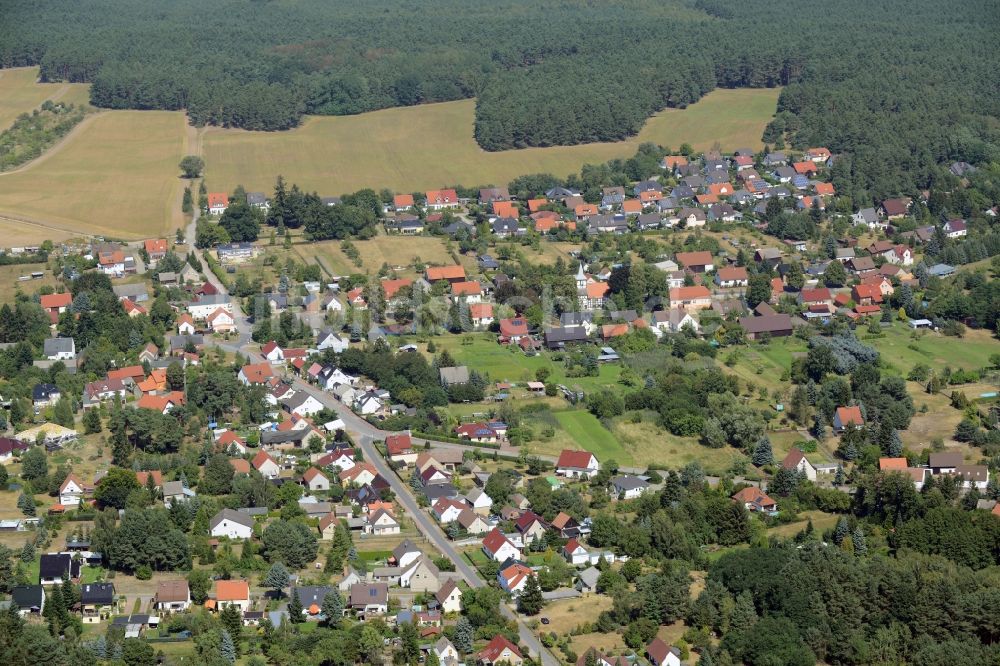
365	434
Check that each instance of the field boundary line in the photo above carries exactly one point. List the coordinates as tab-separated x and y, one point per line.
57	146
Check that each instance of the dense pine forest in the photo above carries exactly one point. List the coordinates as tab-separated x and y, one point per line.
898	86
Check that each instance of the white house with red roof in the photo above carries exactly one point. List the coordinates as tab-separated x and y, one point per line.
575	553
477	432
56	304
500	650
217	203
272	352
339	459
514	328
255	373
361	474
577	464
514	578
156	248
848	417
314	479
441	199
399	448
227	440
481	314
266	465
499	548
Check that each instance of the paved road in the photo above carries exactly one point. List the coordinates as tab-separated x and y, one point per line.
365	435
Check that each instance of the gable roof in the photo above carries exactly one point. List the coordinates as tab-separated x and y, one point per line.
257	373
495	648
792	460
701	258
445	591
232	590
399	443
261	459
850	414
495	540
52	301
435	273
892	464
569	458
753	495
231	515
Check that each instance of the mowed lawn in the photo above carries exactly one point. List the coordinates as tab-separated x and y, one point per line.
20	93
429	146
588	433
116	176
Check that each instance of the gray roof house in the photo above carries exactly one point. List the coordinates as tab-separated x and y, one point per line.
628	485
586	580
257	199
134	292
59	348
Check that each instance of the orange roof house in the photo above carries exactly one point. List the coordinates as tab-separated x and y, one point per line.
232	590
439	198
143	477
466	289
597	289
240	465
649	197
755	499
818	154
256	373
847	416
505	209
534	205
673	161
218	199
402	201
56	301
825	189
132	309
160	403
892	464
479	311
185	320
545	224
585	210
804	168
454	273
392	287
632	207
157	381
721	189
133	372
609	331
155	247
